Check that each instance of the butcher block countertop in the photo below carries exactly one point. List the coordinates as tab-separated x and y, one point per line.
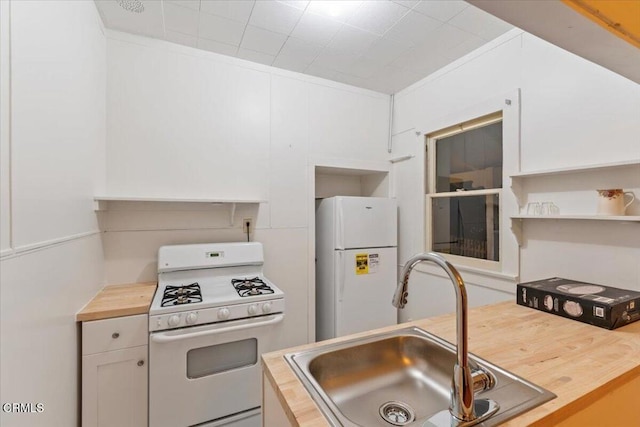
117	301
582	364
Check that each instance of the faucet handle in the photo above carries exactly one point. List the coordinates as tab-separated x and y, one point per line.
400	296
482	379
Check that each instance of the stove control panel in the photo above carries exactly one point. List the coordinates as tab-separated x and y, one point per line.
215	314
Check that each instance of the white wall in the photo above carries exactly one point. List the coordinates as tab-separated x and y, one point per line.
573	113
188	123
53	136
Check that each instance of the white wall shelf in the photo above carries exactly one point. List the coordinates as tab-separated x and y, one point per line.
578	169
101	202
620	171
627	218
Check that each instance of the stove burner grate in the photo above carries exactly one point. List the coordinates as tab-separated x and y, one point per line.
250	287
185	294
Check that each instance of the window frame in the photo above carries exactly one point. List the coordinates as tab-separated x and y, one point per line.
431	194
461	111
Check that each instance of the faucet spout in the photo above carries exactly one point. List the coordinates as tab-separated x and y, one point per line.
462	398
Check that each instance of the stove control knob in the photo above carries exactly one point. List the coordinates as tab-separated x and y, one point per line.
223	313
266	308
252	310
173	320
191	318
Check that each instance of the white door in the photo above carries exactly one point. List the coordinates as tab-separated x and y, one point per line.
114	388
365	284
366	222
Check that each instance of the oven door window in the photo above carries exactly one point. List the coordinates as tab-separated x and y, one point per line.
214	359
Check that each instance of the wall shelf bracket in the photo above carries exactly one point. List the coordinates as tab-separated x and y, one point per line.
516	229
232	213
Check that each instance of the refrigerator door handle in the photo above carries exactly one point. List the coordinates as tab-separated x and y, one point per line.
340	275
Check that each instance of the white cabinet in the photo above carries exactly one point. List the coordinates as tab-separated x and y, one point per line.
114	372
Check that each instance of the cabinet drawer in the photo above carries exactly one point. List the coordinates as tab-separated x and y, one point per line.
114	334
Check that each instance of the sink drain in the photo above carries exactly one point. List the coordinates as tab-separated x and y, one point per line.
397	413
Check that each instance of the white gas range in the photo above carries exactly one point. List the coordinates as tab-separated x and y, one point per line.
214	313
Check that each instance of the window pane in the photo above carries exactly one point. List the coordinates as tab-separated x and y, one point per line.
221	357
470	160
467	226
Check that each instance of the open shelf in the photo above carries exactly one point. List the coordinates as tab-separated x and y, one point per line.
627	218
578	169
171	200
101	202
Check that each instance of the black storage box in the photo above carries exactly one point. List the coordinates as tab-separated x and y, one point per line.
597	305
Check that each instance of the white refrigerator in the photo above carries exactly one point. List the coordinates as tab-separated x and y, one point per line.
356	264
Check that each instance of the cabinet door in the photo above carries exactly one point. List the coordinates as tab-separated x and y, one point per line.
114	388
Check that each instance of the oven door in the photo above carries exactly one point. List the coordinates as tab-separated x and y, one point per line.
203	373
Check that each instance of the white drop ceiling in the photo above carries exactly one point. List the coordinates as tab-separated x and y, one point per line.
375	44
557	23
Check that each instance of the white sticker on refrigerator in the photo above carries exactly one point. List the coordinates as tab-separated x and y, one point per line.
374	262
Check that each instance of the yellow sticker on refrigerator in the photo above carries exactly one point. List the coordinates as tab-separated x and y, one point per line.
367	263
362	263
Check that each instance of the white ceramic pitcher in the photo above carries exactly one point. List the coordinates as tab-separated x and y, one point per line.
611	202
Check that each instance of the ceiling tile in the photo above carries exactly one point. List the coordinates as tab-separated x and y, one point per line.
298	4
316	29
191	4
275	16
304	51
441	10
480	23
320	71
351	80
416	61
335	60
377	16
352	40
264	41
340	11
149	23
385	50
217	28
291	63
217	47
259	57
180	38
412	29
180	19
236	10
406	3
464	48
381	83
365	67
442	39
396	79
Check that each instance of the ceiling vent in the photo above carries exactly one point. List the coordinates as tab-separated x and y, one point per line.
134	6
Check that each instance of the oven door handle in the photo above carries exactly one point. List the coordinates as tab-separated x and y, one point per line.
161	338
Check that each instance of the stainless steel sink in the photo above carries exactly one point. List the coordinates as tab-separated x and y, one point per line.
403	378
